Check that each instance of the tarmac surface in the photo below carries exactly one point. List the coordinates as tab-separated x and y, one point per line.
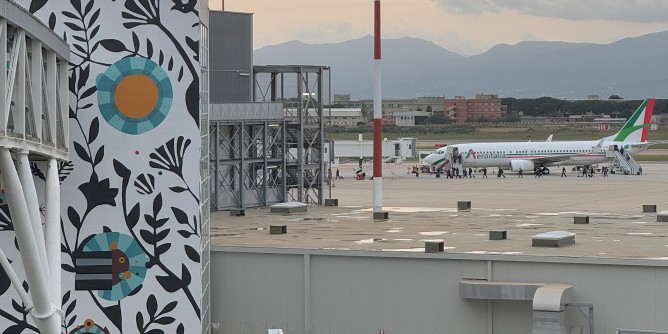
424	208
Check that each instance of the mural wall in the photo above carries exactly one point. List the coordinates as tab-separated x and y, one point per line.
131	192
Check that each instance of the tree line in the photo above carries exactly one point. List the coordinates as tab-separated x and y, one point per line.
551	107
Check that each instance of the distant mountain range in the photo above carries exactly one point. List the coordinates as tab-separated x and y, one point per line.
634	67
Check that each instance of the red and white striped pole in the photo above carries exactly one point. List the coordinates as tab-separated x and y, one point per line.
377	117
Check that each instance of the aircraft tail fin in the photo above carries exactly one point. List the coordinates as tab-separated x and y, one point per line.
636	128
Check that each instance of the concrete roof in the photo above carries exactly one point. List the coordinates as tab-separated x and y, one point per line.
424	208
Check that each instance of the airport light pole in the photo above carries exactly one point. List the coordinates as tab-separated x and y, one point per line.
377	120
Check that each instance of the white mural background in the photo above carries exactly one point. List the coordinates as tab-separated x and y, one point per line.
131	190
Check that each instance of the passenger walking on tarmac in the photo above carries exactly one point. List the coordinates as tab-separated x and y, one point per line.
605	171
500	174
563	172
457	173
484	172
584	171
639	170
338	175
464	172
473	176
520	176
538	173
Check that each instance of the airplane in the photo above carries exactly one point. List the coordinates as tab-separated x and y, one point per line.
530	156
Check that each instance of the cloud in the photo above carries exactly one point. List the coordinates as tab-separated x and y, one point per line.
613	10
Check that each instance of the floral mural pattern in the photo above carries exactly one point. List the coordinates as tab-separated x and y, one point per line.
130	204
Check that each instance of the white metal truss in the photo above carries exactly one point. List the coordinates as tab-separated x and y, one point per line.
34	102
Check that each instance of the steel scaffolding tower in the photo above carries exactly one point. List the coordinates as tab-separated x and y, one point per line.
300	89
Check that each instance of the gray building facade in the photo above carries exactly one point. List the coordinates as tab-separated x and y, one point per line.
231	57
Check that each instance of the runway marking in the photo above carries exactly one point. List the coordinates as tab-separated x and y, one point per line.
434	233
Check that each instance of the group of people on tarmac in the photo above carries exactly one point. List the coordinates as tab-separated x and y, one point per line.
453	173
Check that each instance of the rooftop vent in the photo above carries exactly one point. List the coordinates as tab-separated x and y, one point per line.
553	239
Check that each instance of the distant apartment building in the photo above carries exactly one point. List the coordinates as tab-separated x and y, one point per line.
483	106
429	104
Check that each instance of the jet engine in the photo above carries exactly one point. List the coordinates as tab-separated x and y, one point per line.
525	165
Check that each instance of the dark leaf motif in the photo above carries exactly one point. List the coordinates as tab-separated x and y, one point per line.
83	76
71	321
80	39
52	21
86	106
177	189
169	283
74	217
152	306
72	114
181	216
148	236
70	15
149	48
93	33
94	130
74	26
121	170
192	100
99	156
67	267
114	314
65	168
192	253
36	5
93	19
70	308
192	44
157	204
76	4
162	235
81	152
165	320
139	319
180	74
79	47
17	306
185	275
150	220
133	217
168	308
25	286
113	45
14	329
64	249
135	41
95	46
106	229
162	249
88	92
170	64
66	297
72	82
161	58
161	222
88	8
180	329
34	169
185	234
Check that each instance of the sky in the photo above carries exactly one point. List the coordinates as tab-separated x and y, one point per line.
467	27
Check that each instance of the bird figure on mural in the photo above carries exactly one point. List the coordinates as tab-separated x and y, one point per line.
185	6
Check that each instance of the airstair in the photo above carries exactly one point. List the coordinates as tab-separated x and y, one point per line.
455	159
624	160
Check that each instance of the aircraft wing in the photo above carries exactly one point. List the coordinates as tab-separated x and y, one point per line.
551	158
